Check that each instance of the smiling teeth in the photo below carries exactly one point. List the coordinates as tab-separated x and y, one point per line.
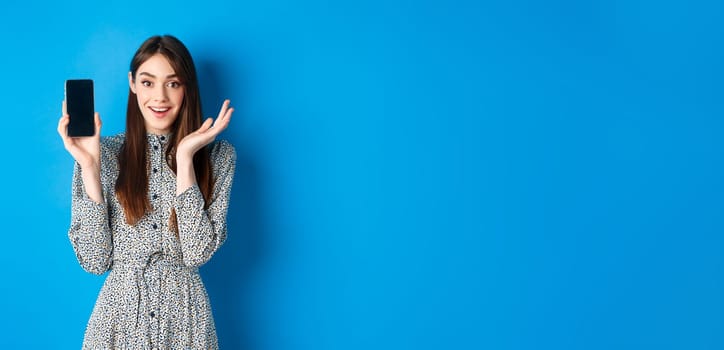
160	109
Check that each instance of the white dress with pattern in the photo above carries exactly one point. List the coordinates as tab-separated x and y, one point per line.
153	296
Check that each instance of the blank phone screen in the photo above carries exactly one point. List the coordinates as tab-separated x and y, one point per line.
79	104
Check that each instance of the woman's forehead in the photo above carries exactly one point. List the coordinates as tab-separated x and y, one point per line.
157	66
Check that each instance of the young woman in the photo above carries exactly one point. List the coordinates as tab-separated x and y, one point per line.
150	205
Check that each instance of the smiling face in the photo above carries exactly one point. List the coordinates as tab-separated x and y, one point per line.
159	93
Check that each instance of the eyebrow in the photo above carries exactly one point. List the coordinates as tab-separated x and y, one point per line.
154	77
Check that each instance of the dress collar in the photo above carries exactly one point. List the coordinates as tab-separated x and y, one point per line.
161	139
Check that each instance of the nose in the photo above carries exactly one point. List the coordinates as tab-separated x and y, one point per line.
159	93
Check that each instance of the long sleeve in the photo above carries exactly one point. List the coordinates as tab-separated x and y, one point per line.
202	232
89	232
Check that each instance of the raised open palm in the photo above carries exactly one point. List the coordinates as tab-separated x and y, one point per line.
206	133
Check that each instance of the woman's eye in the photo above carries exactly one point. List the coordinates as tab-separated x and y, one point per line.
173	84
146	83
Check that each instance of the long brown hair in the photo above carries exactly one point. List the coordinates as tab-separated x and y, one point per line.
132	182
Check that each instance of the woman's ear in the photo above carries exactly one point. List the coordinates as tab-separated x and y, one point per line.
130	82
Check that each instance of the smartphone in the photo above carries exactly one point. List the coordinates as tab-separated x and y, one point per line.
79	104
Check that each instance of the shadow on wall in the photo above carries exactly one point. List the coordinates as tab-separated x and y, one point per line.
227	274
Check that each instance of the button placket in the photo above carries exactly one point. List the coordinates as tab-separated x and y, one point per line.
156	158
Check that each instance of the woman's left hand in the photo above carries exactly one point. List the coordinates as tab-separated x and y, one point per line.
205	134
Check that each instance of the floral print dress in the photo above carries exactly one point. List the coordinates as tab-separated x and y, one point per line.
153	296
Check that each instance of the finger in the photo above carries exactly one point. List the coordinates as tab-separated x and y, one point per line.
225	113
63	122
228	113
63	132
224	108
229	110
98	123
222	123
206	125
62	126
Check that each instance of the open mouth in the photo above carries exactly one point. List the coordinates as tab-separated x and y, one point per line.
159	111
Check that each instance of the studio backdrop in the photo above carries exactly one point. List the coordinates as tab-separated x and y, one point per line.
411	174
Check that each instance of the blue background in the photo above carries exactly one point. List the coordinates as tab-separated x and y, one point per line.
411	174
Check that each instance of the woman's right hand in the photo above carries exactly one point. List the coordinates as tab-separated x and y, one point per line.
85	150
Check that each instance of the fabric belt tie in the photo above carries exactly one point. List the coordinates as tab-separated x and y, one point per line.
140	267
